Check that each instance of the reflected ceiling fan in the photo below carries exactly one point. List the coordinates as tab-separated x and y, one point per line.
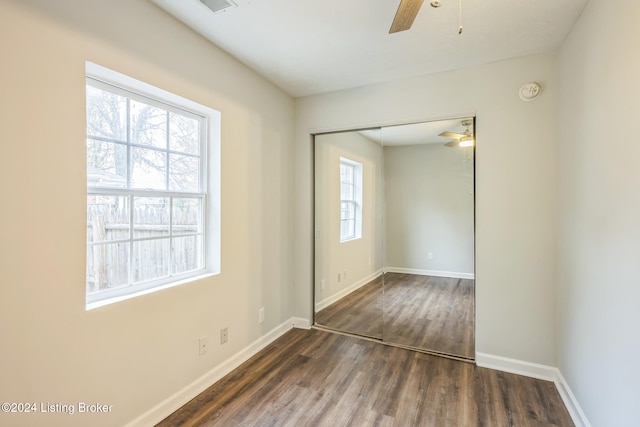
461	139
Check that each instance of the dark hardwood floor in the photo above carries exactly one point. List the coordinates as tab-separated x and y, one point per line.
318	378
359	312
425	312
428	312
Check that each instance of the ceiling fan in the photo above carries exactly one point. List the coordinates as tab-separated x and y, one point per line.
461	139
405	15
407	12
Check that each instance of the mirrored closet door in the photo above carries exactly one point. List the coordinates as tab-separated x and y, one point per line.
394	234
349	232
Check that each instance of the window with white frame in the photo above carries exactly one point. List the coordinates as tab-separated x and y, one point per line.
152	189
350	199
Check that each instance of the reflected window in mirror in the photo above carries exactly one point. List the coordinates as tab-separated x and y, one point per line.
350	200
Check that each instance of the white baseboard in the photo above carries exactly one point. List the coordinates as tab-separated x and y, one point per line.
300	323
515	366
452	274
174	402
577	415
346	291
543	372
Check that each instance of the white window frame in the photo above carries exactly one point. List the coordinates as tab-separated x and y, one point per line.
355	201
209	186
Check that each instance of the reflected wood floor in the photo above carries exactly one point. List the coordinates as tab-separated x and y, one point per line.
427	312
318	378
359	312
434	313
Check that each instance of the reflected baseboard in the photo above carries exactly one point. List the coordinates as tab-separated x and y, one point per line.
390	344
452	274
346	291
320	305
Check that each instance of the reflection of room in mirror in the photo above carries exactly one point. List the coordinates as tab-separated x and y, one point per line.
347	258
417	227
359	312
429	312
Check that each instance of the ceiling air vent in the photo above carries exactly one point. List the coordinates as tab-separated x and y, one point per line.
218	5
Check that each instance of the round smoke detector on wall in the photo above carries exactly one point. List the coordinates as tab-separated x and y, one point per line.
530	91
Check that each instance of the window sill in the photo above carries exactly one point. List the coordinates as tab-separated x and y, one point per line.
108	301
350	240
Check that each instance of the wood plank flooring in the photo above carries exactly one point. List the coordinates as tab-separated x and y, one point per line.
426	312
318	378
359	312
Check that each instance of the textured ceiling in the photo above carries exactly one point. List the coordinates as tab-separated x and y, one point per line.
310	46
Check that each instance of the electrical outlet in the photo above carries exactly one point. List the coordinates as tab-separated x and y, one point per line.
344	275
224	335
261	315
430	255
202	345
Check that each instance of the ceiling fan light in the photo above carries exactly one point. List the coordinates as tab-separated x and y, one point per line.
467	142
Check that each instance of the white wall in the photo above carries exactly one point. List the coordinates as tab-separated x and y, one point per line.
599	211
515	188
135	353
343	266
429	208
